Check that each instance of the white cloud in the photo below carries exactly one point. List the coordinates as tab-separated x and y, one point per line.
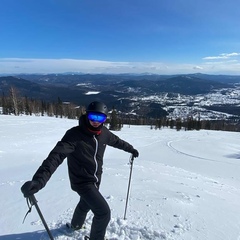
197	68
44	66
233	54
222	56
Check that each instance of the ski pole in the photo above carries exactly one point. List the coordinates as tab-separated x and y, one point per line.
33	201
131	167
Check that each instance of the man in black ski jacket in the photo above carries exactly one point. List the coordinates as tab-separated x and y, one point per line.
84	147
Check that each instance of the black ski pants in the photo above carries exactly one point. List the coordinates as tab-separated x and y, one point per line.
92	199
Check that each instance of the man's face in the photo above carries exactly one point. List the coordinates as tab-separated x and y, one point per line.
94	124
96	119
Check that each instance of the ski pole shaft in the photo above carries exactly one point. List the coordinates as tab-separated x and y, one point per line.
34	202
131	163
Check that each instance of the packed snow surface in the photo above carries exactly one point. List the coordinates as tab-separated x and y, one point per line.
185	185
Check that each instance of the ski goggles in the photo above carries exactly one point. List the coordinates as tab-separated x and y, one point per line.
97	117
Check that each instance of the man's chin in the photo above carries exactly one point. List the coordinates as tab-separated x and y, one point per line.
96	125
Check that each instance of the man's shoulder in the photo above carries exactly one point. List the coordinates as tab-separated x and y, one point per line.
73	129
105	130
72	132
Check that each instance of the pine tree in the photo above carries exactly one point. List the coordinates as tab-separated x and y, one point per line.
114	122
178	124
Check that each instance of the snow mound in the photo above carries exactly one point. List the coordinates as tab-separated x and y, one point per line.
118	229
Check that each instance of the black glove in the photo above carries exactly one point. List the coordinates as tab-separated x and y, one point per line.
30	187
135	153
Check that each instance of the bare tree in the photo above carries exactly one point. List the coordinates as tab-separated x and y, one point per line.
14	98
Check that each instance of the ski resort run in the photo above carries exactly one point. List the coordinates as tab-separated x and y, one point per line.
185	184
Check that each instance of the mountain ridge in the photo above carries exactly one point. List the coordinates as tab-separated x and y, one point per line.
116	90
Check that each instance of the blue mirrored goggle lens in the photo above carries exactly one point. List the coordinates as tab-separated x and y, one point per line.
96	117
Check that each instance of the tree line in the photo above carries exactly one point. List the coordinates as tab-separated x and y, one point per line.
197	124
15	104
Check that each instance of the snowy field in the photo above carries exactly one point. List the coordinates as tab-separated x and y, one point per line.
185	185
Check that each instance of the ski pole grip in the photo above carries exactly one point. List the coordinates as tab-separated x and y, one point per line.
131	159
32	199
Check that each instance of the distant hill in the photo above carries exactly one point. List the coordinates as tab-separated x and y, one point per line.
24	87
69	85
191	85
20	83
180	84
218	78
115	90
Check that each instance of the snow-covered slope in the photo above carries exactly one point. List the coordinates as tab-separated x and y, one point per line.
185	185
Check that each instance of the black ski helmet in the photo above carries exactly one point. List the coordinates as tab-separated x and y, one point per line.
97	107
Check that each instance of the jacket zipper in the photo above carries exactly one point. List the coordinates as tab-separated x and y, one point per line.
95	159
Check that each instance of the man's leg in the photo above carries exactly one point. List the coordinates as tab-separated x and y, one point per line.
80	214
101	211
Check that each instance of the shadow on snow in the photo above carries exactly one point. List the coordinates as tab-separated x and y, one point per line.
38	235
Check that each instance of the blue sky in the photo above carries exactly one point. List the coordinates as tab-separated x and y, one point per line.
120	36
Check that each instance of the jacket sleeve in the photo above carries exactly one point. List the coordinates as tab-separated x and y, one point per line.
117	142
54	159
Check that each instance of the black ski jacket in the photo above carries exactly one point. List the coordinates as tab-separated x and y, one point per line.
84	151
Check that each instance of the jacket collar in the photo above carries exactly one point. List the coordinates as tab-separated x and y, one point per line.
87	128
